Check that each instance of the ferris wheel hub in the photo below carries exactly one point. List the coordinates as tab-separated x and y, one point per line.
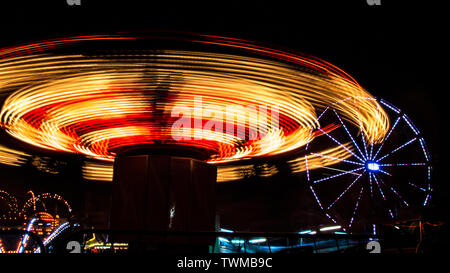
373	166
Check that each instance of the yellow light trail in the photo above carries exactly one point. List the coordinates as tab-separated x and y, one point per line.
97	105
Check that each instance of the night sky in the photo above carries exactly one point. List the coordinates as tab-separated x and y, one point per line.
393	51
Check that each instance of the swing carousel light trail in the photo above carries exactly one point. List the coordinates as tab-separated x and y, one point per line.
257	103
98	105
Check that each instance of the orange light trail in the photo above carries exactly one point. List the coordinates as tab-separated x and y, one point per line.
99	105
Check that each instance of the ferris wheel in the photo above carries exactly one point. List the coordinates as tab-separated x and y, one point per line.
369	182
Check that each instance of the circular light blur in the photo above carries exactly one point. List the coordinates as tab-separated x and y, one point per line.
100	105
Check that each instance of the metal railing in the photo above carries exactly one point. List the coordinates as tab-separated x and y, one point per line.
126	241
135	241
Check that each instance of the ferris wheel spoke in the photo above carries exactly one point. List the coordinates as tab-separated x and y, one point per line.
317	199
390	213
387	136
427	191
403	164
309	137
398	148
372	141
427	199
371	184
348	133
324	111
356	208
384	172
417	187
339	197
399	196
363	139
382	194
307	167
337	142
379	187
339	159
337	175
371	149
392	189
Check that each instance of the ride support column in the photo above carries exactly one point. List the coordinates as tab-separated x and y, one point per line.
163	193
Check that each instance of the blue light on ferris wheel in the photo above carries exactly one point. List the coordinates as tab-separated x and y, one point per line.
373	166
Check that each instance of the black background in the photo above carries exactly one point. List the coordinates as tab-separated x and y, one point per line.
393	50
